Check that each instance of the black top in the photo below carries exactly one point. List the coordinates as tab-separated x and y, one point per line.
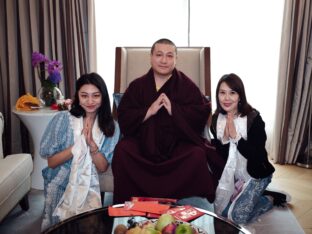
253	149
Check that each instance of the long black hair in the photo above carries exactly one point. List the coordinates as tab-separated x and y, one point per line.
235	83
105	118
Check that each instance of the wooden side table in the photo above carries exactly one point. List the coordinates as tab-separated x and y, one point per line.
36	122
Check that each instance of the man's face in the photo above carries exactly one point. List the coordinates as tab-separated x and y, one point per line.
163	60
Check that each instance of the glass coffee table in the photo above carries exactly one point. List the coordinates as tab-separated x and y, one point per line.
99	222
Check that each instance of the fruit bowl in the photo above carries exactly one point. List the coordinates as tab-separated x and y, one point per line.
152	223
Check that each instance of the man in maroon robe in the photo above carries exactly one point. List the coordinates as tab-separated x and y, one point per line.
162	154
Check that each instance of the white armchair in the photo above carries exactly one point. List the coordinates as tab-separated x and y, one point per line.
133	62
15	178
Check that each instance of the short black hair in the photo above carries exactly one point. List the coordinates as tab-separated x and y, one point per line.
163	41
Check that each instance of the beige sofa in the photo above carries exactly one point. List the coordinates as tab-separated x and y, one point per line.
132	62
15	178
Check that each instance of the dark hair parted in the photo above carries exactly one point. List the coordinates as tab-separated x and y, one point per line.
105	118
164	41
235	83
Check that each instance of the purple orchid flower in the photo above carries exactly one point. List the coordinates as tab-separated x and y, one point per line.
54	66
55	77
38	58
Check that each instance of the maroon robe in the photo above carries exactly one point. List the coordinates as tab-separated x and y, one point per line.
165	156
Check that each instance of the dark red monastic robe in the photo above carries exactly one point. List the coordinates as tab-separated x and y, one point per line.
165	156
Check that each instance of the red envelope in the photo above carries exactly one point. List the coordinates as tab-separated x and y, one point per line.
185	213
121	211
150	207
152	215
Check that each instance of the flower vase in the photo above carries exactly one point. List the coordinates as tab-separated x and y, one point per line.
49	95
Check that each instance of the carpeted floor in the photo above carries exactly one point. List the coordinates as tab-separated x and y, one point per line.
277	221
29	222
21	222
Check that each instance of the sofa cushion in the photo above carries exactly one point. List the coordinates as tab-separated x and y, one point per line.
14	171
117	98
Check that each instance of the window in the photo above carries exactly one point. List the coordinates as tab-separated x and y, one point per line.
244	37
136	23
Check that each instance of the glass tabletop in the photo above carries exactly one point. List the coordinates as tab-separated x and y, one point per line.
98	221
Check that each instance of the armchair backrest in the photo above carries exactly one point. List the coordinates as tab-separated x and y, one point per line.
1	132
133	62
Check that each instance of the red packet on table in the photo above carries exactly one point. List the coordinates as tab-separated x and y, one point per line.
176	209
150	207
152	215
185	213
129	205
121	211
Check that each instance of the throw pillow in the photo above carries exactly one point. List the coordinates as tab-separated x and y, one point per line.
117	98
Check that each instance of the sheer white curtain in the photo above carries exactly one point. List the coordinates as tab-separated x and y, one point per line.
244	37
